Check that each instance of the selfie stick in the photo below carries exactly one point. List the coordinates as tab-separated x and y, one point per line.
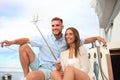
35	20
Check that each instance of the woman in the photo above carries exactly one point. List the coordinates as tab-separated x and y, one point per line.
74	63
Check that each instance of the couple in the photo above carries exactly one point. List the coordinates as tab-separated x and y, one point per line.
44	64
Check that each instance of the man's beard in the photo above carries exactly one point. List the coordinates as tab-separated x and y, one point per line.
59	34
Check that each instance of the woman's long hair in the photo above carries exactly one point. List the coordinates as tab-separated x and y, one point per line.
77	40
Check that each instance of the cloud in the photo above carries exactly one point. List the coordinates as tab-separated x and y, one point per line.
17	15
74	13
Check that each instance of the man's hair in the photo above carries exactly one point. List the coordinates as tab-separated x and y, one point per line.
57	18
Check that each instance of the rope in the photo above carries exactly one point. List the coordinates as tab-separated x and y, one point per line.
99	61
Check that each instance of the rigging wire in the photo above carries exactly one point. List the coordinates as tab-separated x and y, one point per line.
12	49
99	61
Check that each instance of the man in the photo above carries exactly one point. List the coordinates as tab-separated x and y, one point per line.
43	64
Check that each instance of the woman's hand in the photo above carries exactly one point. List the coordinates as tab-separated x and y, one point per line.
58	66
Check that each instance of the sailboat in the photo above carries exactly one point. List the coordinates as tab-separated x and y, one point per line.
105	59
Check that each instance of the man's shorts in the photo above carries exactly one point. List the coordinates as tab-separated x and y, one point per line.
44	68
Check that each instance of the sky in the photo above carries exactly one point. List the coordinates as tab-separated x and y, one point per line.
16	21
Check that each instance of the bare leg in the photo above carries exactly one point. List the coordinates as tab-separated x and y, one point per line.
56	75
26	57
35	75
68	73
72	73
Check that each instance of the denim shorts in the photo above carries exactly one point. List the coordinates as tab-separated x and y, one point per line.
44	68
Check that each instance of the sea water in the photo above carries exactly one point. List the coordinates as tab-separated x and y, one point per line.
14	75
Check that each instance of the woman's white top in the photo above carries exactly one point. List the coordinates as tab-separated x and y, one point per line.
81	62
71	62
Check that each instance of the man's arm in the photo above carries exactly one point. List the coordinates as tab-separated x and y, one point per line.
93	39
16	41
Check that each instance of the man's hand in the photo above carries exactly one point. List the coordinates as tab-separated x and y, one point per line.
6	43
93	39
101	40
